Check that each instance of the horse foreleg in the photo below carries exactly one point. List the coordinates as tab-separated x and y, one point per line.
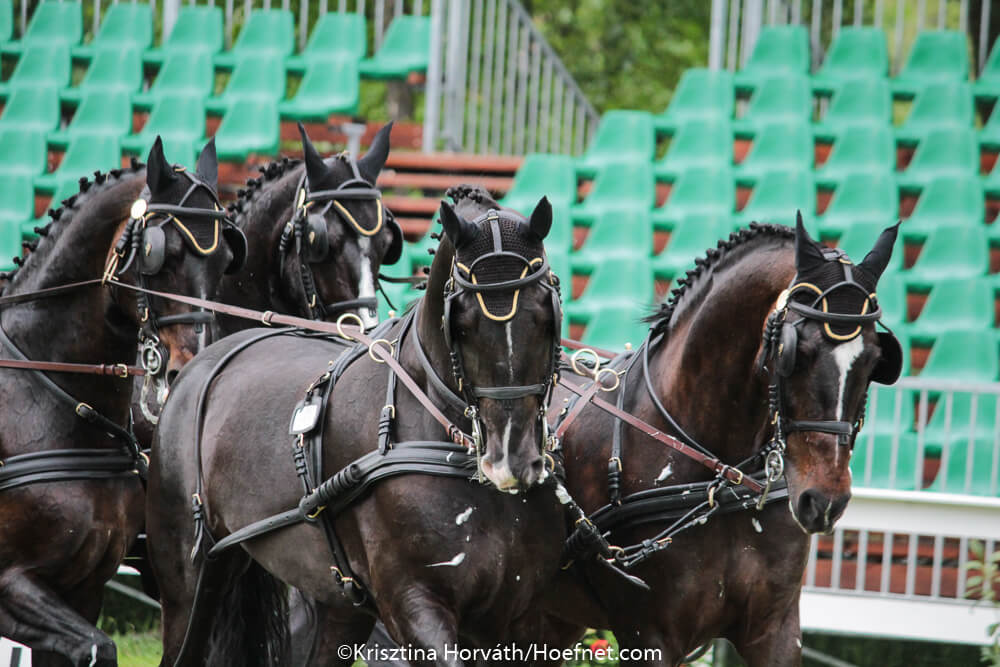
779	644
414	618
322	635
32	614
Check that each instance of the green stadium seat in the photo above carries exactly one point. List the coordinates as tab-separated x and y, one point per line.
110	71
614	284
955	304
883	474
856	53
865	102
198	30
100	113
958	474
785	146
10	245
560	265
863	149
779	51
856	241
987	85
889	409
688	241
23	151
177	121
540	174
328	87
937	55
699	192
991	182
947	201
336	35
256	79
623	234
862	198
776	198
950	252
697	144
52	24
397	293
269	34
85	155
777	100
126	24
405	48
968	355
560	238
942	104
249	126
613	328
622	136
944	152
6	21
892	299
182	75
30	109
989	136
17	205
618	185
701	95
947	429
40	66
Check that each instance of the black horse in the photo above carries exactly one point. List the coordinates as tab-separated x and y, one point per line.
762	358
70	492
440	559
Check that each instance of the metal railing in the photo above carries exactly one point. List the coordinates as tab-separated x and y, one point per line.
495	86
736	24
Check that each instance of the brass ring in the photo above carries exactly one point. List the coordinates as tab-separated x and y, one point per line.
576	369
340	327
600	372
388	344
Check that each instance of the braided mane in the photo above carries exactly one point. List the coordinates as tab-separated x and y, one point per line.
270	172
691	283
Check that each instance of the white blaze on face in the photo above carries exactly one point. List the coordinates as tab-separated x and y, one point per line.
501	475
845	355
366	283
510	351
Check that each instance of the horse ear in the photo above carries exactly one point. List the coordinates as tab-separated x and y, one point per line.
876	261
208	165
159	173
316	169
808	253
373	161
541	219
458	230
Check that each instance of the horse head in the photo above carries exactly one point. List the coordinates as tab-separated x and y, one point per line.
822	350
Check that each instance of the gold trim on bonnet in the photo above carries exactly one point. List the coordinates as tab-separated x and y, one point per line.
187	232
517	292
826	325
354	223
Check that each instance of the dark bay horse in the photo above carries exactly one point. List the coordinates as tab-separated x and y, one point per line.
735	327
440	559
70	493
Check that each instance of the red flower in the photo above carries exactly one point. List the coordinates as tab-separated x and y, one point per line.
600	647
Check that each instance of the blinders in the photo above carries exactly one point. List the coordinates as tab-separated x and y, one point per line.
154	250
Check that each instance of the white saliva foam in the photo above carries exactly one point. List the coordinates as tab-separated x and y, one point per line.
454	562
667	471
463	516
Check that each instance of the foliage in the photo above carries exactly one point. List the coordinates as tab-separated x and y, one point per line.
982	584
138	650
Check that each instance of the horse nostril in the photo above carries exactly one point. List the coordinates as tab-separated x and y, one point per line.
810	510
171	376
537	466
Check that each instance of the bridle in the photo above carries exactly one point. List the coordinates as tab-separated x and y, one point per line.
311	239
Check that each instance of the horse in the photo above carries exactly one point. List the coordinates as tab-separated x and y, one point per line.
761	359
439	558
70	489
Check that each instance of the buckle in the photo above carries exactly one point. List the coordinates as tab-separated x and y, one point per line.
121	370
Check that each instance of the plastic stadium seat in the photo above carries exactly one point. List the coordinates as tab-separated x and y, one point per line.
10	245
785	146
100	113
621	136
945	152
989	136
85	155
31	109
697	144
612	328
52	24
776	198
943	104
614	285
616	186
688	241
623	235
17	205
779	50
955	304
249	126
181	75
892	301
953	426
987	85
865	102
858	150
542	174
110	71
856	53
937	55
880	475
6	21
991	182
40	66
960	475
560	237
889	409
862	198
260	79
198	30
950	252
124	25
701	94
335	35
857	240
698	193
269	34
947	201
177	121
405	48
24	152
777	100
963	355
328	87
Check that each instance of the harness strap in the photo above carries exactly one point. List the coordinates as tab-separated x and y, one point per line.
48	292
110	370
61	465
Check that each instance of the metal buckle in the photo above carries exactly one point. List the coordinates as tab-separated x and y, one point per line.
576	369
121	370
266	317
388	344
